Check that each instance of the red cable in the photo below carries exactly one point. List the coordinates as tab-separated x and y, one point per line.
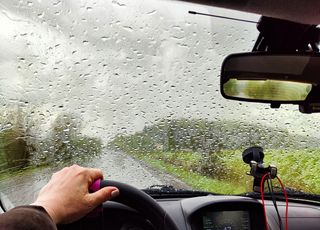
262	199
287	201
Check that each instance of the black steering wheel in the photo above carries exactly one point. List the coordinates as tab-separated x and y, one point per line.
143	203
135	199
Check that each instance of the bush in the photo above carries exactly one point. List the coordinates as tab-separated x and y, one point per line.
14	148
22	144
16	143
213	166
65	143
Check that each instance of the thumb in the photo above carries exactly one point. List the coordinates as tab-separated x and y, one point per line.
103	195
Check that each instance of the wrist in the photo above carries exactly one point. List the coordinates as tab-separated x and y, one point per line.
50	211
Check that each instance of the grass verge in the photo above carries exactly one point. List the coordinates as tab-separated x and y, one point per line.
298	169
193	179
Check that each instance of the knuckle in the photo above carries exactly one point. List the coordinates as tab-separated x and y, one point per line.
75	166
99	171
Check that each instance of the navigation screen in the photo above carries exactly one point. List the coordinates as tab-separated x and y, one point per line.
226	220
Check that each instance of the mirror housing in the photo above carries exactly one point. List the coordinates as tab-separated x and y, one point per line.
273	78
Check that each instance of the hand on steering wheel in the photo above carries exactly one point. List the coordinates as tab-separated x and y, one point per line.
140	201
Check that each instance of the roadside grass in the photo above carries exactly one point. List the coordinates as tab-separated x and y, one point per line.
193	179
298	169
7	173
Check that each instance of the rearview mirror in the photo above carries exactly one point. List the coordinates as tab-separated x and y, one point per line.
272	78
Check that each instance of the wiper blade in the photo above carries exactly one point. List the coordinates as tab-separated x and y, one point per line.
168	191
292	195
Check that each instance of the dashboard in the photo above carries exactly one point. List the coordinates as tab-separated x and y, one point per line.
228	213
206	213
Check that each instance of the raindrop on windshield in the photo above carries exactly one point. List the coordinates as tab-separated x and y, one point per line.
41	15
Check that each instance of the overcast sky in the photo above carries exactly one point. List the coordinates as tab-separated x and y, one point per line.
121	65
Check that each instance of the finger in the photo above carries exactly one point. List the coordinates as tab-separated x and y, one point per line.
94	174
103	195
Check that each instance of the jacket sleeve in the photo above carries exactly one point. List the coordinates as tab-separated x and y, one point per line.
26	218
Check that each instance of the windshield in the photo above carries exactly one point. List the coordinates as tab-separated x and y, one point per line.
132	87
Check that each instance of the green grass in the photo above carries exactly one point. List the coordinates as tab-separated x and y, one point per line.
6	174
186	160
298	169
193	179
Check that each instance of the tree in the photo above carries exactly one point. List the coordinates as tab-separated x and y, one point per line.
66	143
16	142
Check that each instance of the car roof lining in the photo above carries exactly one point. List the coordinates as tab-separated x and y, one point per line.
307	12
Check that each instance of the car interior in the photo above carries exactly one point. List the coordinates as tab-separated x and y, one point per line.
286	28
281	68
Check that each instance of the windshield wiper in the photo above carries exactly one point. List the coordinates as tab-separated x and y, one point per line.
292	195
168	191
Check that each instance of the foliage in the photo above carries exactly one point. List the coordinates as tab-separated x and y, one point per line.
21	147
16	141
66	144
297	168
209	136
212	152
207	164
191	177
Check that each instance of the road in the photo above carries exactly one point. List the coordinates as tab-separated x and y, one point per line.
115	166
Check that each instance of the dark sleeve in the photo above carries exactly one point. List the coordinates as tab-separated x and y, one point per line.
26	218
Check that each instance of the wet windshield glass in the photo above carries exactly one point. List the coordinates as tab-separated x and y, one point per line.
132	87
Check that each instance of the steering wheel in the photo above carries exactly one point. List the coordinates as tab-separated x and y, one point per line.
143	203
133	198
